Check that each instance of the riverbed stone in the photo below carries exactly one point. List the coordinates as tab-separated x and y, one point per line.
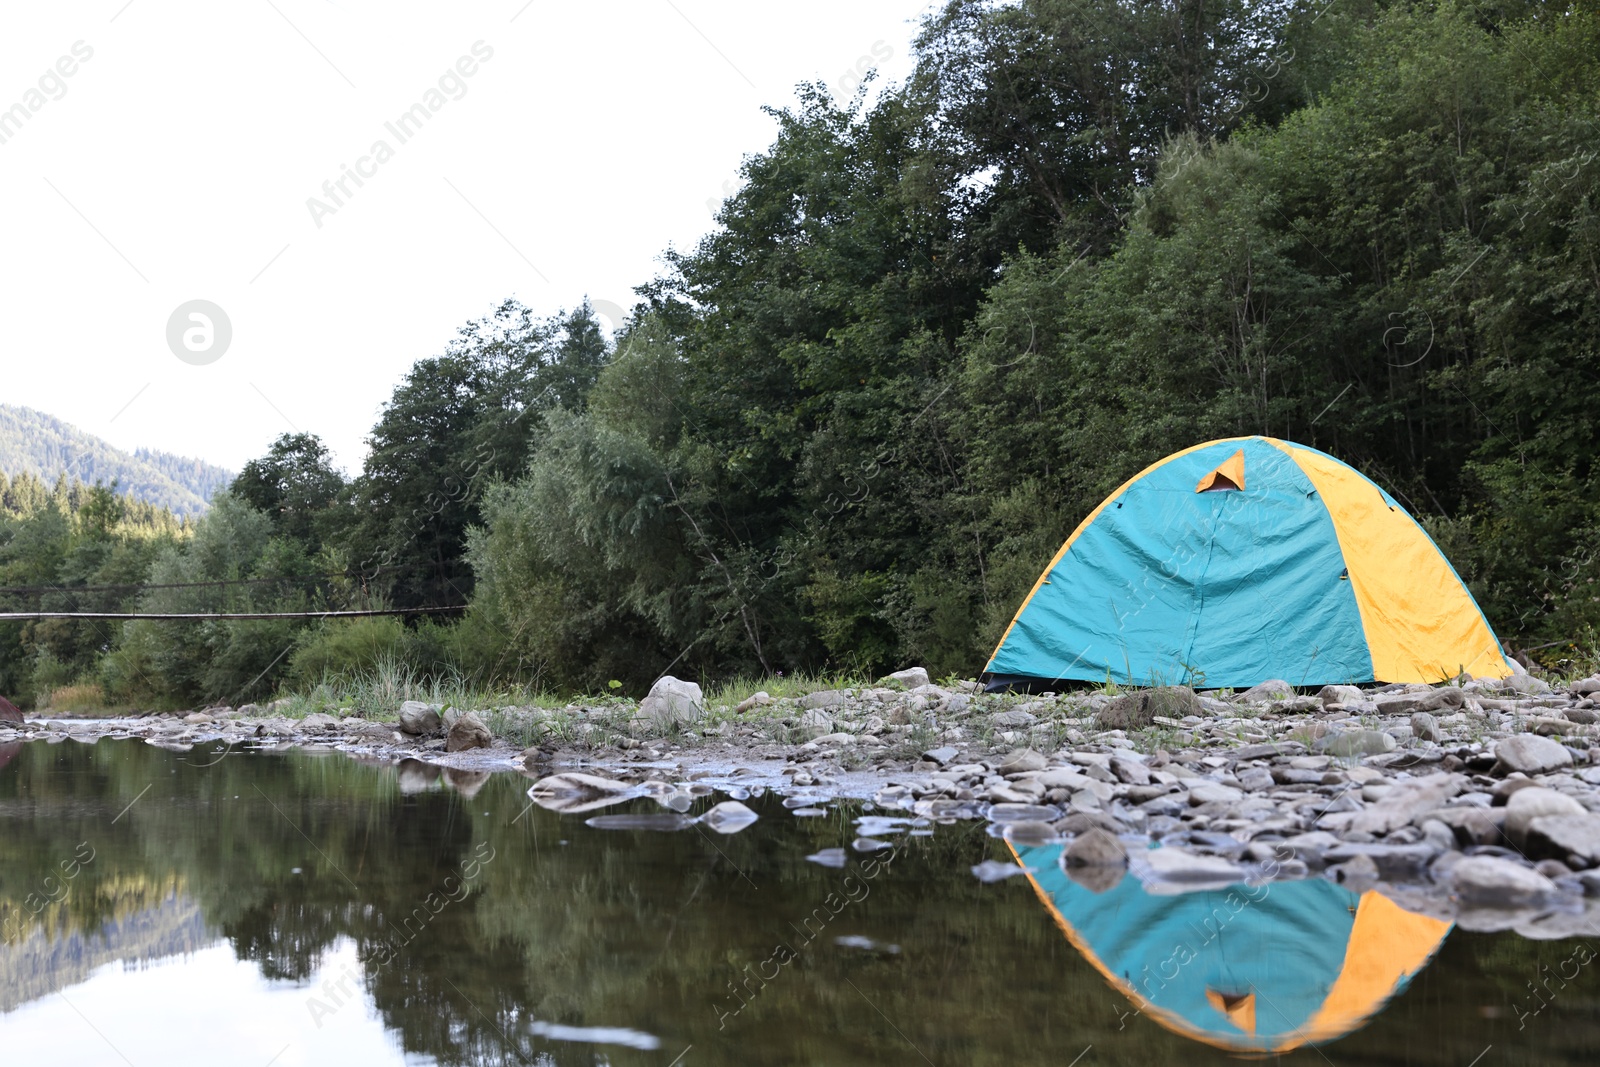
1492	882
827	698
420	720
1271	689
1135	711
1203	792
1575	836
1339	694
1526	805
1177	865
1013	720
1406	803
671	702
1530	754
911	677
1425	727
1096	848
1355	743
468	732
1024	759
753	701
729	817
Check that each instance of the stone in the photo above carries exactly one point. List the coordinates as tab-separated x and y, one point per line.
1534	802
816	719
1135	711
1271	689
753	701
1525	684
1097	848
1360	870
1585	686
827	698
1425	727
468	732
729	817
1398	862
1472	825
1492	882
1267	751
1530	754
1575	836
467	783
1176	865
1407	802
1202	792
1257	780
911	677
1427	700
1063	778
941	756
413	776
420	720
1013	720
318	721
1339	694
1024	759
671	702
1355	743
1438	835
1007	813
836	739
1130	771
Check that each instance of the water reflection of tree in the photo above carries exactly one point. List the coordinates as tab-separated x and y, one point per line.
628	929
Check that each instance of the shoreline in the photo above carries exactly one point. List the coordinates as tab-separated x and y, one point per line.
1479	803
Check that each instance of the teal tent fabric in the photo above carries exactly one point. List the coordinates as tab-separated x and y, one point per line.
1221	589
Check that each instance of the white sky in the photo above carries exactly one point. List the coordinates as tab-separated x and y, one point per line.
178	161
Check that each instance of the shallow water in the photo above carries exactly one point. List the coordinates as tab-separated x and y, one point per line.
296	909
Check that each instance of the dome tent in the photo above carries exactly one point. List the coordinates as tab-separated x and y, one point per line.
1242	560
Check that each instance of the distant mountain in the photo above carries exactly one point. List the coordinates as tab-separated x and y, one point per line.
32	442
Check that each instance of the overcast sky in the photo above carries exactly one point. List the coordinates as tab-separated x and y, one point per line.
160	152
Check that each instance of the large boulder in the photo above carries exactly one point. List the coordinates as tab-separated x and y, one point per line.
9	712
420	720
467	732
671	702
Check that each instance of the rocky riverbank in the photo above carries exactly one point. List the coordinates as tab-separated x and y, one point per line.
1477	801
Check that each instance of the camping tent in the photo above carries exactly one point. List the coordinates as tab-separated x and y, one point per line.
1241	560
1252	969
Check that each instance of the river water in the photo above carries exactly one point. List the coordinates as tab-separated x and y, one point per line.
284	909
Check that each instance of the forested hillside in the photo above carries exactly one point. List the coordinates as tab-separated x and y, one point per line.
32	442
931	331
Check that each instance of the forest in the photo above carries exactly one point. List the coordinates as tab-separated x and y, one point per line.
937	323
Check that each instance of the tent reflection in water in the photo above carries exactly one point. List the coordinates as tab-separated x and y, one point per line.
1252	969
